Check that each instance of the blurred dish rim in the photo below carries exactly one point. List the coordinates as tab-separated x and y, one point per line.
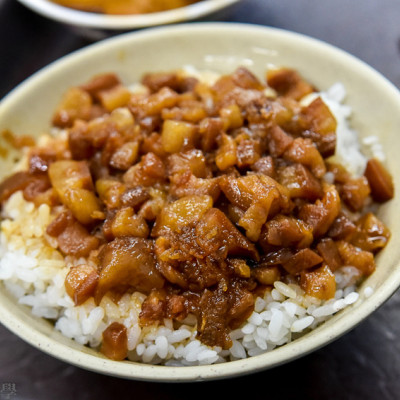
120	22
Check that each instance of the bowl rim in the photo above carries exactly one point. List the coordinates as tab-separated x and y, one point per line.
281	355
120	22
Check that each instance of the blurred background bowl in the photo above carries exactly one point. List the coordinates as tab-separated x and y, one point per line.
220	47
96	26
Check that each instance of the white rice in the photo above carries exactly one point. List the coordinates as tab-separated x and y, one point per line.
34	271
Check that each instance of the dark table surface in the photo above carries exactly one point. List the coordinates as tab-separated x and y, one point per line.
363	364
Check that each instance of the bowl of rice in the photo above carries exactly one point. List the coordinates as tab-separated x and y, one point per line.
260	285
101	18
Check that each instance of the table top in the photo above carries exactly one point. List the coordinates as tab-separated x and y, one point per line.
363	364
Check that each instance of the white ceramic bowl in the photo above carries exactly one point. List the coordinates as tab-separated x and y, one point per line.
205	8
221	47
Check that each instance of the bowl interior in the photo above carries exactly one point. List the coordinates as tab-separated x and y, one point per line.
221	48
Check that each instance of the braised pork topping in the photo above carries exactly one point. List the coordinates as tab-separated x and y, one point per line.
201	196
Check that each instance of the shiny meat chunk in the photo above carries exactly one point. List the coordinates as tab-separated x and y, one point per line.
115	342
181	213
340	173
14	183
379	180
321	126
190	175
125	156
83	141
302	260
99	83
303	151
39	191
300	182
248	152
328	250
81	282
156	81
127	262
258	196
267	274
276	257
114	97
240	267
216	235
192	161
126	223
258	212
355	192
188	185
151	125
370	233
209	130
265	166
177	136
341	228
221	308
226	155
159	305
224	86
110	192
134	197
287	231
177	307
322	213
40	159
181	264
319	283
152	144
115	140
212	329
153	307
231	116
241	302
72	237
190	110
73	183
84	205
354	256
151	208
76	104
288	82
152	105
147	172
246	79
278	141
167	266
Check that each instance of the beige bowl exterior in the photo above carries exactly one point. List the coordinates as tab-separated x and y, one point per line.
219	47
